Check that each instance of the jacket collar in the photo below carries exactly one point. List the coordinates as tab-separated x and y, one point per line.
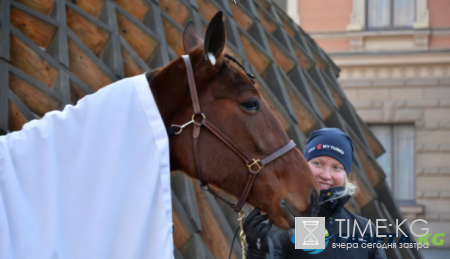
332	206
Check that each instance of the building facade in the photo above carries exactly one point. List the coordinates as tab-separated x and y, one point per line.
394	57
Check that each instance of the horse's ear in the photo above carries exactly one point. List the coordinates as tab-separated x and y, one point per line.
191	37
215	40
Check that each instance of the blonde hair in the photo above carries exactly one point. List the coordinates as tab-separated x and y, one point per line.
350	189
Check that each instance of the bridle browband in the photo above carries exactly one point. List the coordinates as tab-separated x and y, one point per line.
254	165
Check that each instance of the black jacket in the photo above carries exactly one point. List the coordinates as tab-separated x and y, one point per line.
331	210
283	247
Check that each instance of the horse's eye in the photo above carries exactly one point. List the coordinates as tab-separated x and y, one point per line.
251	105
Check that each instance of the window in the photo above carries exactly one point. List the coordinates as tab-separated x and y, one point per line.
399	160
390	13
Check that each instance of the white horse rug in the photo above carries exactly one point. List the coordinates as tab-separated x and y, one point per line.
92	181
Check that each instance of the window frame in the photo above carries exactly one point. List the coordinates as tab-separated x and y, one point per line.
391	27
391	130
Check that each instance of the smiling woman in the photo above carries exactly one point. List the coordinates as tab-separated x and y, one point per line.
329	173
329	153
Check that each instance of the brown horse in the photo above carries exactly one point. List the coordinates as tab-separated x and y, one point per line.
283	189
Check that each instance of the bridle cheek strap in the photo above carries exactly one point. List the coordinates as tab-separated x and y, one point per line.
192	87
254	165
253	173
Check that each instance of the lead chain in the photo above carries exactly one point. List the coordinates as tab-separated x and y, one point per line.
242	234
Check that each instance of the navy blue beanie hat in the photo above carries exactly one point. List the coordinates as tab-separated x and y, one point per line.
330	142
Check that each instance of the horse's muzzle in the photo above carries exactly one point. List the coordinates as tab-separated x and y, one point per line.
290	211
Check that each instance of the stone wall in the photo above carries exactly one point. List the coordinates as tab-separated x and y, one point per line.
410	92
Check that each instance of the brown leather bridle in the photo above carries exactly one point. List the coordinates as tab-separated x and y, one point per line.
254	165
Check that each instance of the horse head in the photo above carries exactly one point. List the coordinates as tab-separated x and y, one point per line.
228	97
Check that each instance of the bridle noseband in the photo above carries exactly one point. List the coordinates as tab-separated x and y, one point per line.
254	165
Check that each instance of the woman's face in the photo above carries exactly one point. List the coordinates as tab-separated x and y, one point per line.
328	171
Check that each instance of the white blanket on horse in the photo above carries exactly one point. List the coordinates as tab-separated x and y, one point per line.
92	181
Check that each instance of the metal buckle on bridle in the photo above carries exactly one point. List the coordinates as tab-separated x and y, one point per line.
203	115
181	127
255	162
